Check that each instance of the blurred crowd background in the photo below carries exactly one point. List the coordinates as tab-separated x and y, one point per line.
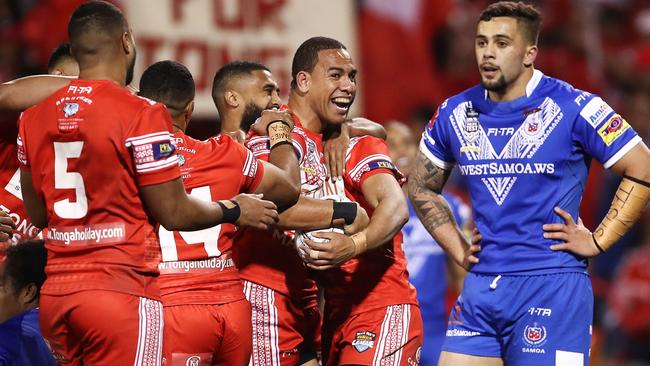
412	55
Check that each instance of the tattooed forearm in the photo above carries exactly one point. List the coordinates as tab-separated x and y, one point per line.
425	188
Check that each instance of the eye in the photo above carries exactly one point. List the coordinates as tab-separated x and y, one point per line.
353	77
480	43
502	44
335	75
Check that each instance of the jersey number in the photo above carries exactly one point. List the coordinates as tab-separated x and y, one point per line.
208	237
63	179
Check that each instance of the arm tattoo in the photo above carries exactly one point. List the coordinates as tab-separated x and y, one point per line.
425	191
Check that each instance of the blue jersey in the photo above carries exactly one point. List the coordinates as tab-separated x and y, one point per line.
522	158
21	342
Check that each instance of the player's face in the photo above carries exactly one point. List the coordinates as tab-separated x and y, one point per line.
9	304
500	52
260	92
402	147
333	85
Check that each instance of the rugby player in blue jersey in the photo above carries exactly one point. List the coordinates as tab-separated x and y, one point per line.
524	142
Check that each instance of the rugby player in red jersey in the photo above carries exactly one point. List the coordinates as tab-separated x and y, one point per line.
97	167
285	318
371	312
207	317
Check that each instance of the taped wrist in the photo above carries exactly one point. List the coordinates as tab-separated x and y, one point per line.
279	133
346	211
628	204
360	242
230	211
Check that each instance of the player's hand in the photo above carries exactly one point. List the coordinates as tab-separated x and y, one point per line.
256	212
322	256
7	226
360	222
268	116
470	258
576	237
334	150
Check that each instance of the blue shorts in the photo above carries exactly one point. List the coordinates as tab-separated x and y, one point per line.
524	320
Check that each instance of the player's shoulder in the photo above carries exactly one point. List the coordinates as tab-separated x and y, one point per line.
362	142
364	146
473	95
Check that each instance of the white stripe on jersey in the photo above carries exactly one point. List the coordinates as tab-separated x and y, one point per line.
148	138
393	335
149	349
366	160
266	349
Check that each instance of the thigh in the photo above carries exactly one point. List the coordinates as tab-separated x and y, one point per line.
106	328
386	336
276	336
53	312
553	322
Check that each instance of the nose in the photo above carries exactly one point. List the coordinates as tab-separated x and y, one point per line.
488	51
275	98
347	85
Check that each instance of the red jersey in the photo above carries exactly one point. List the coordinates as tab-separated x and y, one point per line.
90	146
269	258
376	278
11	198
216	169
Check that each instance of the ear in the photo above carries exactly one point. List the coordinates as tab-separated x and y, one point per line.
303	81
232	98
29	294
56	72
189	109
530	55
127	43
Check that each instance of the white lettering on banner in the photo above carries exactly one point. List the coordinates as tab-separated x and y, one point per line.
505	168
199	266
595	111
85	235
206	34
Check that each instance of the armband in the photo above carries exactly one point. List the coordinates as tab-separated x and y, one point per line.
229	214
628	204
346	211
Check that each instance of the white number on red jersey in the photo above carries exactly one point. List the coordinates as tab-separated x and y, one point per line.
63	179
208	237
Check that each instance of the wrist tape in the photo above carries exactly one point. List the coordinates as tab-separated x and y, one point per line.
279	133
229	214
344	210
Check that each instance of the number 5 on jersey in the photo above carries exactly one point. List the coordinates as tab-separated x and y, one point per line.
63	179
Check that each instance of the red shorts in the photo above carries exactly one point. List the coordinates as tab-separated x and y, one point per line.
385	336
283	333
205	335
103	328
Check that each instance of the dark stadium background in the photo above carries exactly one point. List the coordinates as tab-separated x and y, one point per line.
412	54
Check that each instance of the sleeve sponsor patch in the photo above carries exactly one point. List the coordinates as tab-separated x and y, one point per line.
361	169
613	129
596	111
153	151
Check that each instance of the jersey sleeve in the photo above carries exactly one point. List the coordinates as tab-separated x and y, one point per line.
435	143
149	142
603	133
367	157
250	168
21	148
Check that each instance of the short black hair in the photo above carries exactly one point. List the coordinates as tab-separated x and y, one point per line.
61	53
526	15
230	71
92	20
306	56
25	264
170	83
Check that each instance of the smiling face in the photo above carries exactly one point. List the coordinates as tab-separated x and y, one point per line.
503	54
260	91
333	85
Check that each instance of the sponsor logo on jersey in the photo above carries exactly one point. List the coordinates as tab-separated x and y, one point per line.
581	98
193	361
70	109
364	341
540	311
535	335
162	150
501	131
461	333
595	111
189	359
181	160
613	129
522	145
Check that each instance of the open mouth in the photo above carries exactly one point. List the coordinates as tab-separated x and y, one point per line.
342	104
489	70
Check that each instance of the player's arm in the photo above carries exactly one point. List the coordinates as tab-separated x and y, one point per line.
281	180
425	192
384	194
313	214
34	206
338	142
175	210
25	92
627	206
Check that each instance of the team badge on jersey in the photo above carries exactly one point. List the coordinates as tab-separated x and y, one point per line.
471	124
535	335
364	341
185	359
613	129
